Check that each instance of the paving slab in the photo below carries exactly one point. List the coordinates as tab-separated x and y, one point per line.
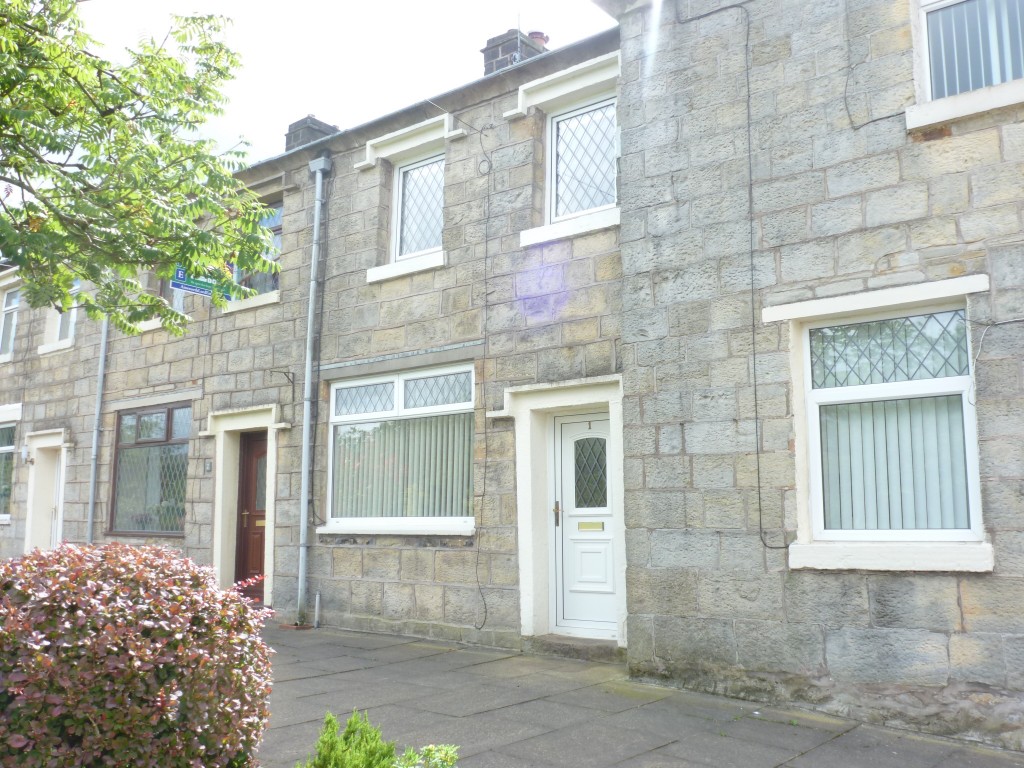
509	710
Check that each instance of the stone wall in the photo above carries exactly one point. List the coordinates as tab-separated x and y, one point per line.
765	156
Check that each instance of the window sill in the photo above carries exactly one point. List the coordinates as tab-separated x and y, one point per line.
931	113
149	534
55	346
579	225
5	519
239	305
6	358
409	526
974	557
422	263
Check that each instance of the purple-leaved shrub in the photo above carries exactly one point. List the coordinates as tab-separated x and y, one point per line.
127	656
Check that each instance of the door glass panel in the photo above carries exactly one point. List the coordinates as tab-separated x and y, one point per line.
591	472
261	482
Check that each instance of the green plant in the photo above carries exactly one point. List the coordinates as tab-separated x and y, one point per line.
122	656
361	745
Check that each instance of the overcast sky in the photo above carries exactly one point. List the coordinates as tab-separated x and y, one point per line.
345	62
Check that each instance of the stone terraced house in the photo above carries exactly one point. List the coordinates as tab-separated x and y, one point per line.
700	338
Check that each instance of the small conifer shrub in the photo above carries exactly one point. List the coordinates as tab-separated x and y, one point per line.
361	745
127	656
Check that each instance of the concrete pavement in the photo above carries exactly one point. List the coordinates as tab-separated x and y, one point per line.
507	710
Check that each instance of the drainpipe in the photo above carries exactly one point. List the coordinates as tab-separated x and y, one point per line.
319	167
101	371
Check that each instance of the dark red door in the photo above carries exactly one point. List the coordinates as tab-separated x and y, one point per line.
252	512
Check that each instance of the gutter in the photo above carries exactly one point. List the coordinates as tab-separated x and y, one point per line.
320	166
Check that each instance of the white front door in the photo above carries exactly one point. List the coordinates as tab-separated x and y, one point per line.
586	603
45	503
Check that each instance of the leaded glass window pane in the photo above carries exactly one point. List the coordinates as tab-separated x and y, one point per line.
365	398
895	464
150	490
404	468
446	389
181	423
422	204
6	467
975	44
127	431
8	320
153	426
585	159
591	464
901	349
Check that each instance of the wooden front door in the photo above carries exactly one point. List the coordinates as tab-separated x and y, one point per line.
252	512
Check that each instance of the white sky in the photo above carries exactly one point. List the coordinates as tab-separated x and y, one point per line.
345	62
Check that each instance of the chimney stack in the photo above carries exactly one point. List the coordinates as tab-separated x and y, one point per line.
306	130
506	50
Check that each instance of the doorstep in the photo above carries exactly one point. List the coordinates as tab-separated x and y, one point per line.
584	648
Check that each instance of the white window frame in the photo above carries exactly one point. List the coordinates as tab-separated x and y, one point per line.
583	85
552	163
398	192
966	550
952	385
451	526
414	143
927	111
53	341
5	517
9	315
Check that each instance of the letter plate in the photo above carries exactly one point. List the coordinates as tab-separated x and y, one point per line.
598	526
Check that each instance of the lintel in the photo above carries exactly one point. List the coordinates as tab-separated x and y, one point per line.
421	137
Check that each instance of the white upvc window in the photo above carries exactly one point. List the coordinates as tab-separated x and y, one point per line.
60	326
6	469
8	323
582	161
892	430
887	469
401	453
418	212
969	58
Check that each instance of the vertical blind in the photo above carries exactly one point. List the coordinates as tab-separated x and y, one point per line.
974	44
404	468
894	464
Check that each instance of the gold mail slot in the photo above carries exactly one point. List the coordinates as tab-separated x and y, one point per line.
591	527
260	523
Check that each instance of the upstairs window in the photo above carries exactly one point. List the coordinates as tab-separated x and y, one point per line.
151	470
8	322
265	282
973	44
419	206
60	326
583	160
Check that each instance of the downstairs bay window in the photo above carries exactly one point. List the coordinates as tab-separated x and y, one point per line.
401	454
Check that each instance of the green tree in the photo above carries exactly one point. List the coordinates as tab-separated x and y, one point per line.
103	174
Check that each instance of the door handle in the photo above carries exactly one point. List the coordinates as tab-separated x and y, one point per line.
556	510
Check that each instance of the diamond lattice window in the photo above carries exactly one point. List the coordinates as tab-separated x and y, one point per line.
367	398
392	459
151	470
6	467
591	472
890	412
585	159
439	390
901	349
421	206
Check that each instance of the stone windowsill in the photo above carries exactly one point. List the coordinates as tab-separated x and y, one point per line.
971	557
410	526
940	111
55	346
421	263
261	300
